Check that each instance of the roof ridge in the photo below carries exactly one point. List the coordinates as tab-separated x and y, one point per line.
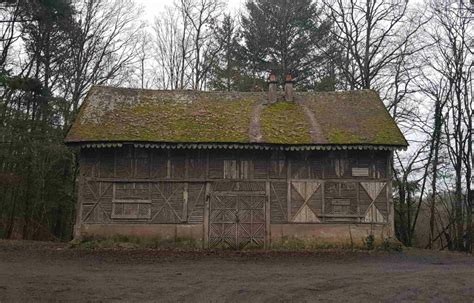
194	91
316	130
255	127
226	92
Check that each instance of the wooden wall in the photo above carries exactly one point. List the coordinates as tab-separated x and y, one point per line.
131	186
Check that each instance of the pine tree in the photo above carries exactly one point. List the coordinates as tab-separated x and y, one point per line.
284	36
228	72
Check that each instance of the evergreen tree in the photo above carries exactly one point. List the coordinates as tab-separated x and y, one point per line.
36	169
226	68
228	71
284	36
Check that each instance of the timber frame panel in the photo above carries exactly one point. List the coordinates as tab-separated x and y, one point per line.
126	185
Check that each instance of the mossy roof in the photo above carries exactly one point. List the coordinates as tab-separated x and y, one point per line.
133	115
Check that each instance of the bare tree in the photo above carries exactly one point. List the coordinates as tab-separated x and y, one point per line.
10	14
448	82
142	72
143	58
104	44
202	16
373	35
456	57
437	91
172	49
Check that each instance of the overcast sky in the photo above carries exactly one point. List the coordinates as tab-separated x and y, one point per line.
154	6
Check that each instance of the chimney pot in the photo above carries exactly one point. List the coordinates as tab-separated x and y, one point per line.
272	88
273	77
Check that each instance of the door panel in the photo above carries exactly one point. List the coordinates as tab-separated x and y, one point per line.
237	218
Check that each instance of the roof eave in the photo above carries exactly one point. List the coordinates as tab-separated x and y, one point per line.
235	146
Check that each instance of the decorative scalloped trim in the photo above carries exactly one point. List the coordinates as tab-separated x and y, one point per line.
241	146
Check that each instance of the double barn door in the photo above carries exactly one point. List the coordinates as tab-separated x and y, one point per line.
237	215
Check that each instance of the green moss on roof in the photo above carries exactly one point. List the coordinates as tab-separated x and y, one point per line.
341	136
117	114
285	123
165	120
358	117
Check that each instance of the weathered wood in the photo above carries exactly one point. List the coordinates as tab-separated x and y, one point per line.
373	188
341	216
267	215
358	200
296	186
288	193
197	180
196	203
306	190
390	210
279	205
323	211
79	203
207	205
360	172
241	193
185	202
237	221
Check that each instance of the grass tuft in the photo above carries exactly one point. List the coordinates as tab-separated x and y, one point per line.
130	242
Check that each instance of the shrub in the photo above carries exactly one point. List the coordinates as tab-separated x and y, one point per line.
369	242
390	244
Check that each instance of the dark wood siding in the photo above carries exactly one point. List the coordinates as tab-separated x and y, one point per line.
132	185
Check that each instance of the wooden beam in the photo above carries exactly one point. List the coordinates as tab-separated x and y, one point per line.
184	219
323	199
237	193
80	198
390	206
207	206
288	194
267	216
135	180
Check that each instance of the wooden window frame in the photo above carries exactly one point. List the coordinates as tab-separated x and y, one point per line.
138	202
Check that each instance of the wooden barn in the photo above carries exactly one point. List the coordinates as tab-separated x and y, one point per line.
235	169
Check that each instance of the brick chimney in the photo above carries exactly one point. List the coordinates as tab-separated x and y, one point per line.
289	88
272	88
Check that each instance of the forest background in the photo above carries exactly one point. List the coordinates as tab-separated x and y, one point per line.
418	55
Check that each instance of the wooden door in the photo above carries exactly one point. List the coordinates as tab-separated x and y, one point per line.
237	218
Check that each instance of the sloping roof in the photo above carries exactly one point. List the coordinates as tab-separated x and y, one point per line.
353	118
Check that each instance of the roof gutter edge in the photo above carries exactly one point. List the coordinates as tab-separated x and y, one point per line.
238	146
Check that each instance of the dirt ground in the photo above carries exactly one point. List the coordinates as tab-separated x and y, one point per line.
48	272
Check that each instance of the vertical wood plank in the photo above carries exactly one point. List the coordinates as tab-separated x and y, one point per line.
323	199
207	206
186	165
148	155
185	202
206	176
288	194
168	165
79	202
99	165
390	206
375	173
358	199
267	216
115	162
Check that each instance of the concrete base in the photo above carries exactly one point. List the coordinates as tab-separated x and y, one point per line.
340	234
161	231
